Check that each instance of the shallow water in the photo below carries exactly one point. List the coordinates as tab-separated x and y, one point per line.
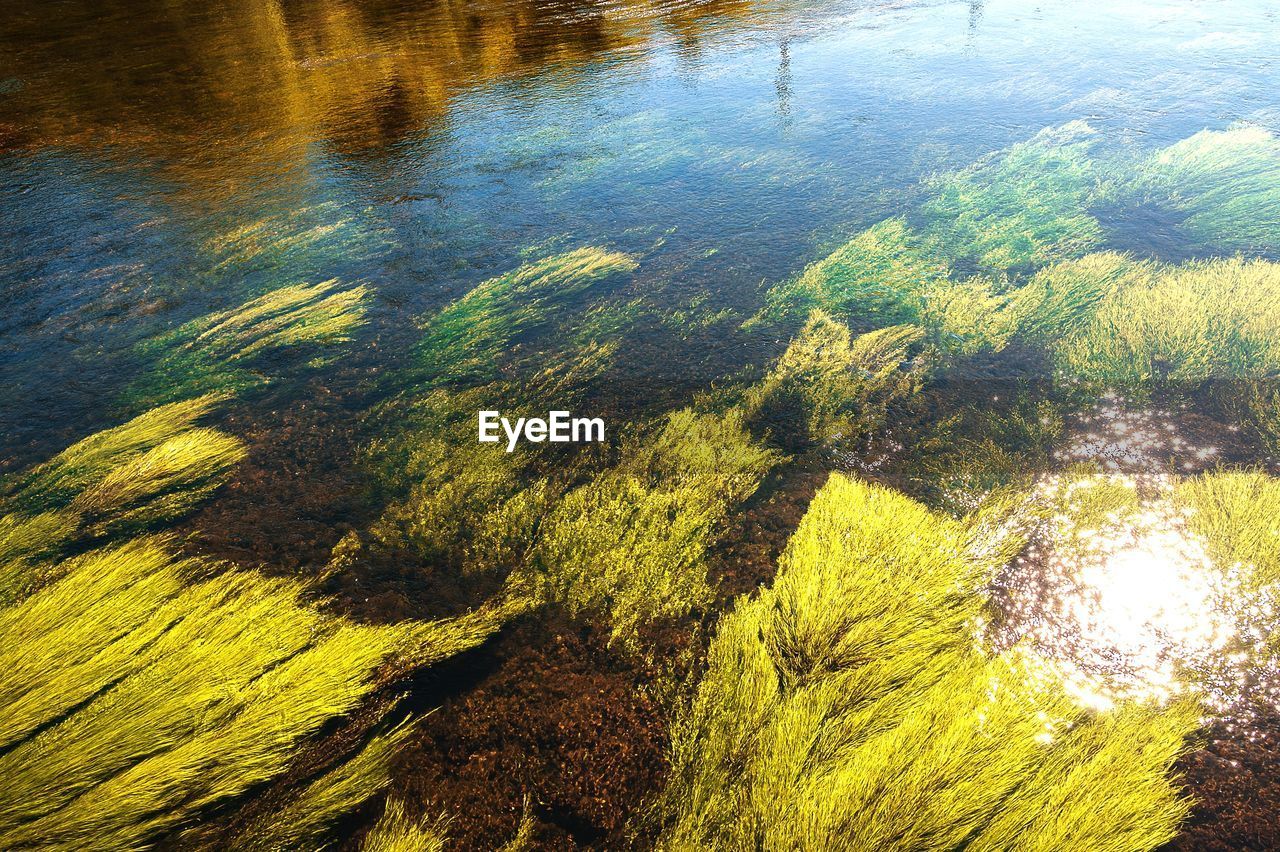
423	148
162	161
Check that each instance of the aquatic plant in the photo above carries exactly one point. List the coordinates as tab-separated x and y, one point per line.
959	460
875	279
1238	515
1023	207
465	341
1181	325
212	684
396	832
453	484
1225	183
299	241
223	351
848	706
630	545
830	385
142	689
56	483
305	821
1061	299
149	471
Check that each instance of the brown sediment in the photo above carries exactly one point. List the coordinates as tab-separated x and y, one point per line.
1235	783
545	714
746	554
300	490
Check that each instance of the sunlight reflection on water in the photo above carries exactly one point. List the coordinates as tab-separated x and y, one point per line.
1120	594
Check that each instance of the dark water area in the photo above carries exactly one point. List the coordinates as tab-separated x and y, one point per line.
160	162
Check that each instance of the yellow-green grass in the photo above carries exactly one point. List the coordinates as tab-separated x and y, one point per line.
829	385
850	707
137	695
397	832
149	471
142	689
630	545
306	821
960	459
1020	208
1226	184
301	239
1181	325
466	341
455	487
223	351
875	279
57	482
1237	513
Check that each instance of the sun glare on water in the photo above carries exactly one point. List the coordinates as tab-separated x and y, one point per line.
1118	593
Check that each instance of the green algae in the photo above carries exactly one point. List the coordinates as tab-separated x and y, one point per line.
467	340
847	706
1020	208
830	386
630	546
873	280
149	471
143	689
1225	184
225	352
1181	326
1237	513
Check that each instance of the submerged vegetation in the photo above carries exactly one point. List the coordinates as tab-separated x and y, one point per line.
1225	184
466	341
631	545
1180	326
855	701
224	352
142	688
848	707
147	472
873	280
1025	206
829	385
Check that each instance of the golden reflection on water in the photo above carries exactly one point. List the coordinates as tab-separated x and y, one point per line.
356	74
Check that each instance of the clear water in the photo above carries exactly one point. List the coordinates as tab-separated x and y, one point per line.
423	148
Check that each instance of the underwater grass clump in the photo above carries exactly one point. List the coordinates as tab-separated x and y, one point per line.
631	544
224	351
849	707
1023	207
305	821
962	458
1226	185
396	832
1237	513
875	279
135	697
829	385
466	341
142	689
1181	326
454	488
149	471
